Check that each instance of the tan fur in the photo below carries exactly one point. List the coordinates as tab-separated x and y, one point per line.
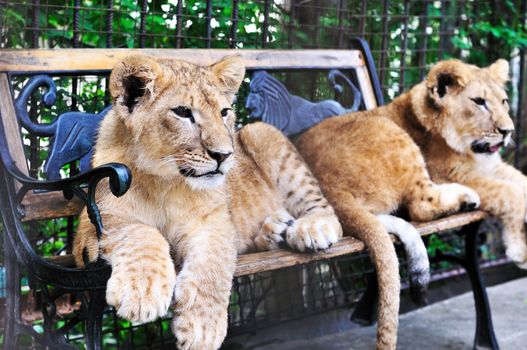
445	127
171	220
368	166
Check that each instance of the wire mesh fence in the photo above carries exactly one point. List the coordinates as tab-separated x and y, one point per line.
405	37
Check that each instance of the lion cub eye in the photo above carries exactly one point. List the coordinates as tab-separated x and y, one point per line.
225	112
184	112
479	101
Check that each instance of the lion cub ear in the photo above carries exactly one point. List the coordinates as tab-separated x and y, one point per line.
133	79
499	71
445	77
229	72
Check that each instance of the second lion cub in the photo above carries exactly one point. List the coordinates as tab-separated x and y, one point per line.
368	167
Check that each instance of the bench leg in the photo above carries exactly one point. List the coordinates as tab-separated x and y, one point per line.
96	307
365	312
485	337
12	312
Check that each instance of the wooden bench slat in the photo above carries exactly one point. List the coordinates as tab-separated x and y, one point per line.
10	124
49	205
80	60
277	259
450	222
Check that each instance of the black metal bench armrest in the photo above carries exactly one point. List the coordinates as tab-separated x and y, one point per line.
119	178
118	175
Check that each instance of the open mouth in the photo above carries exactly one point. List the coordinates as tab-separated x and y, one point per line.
479	147
495	148
192	173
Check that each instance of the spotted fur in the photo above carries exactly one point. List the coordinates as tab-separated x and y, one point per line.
174	236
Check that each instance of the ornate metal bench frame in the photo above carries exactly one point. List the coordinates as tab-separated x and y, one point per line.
23	197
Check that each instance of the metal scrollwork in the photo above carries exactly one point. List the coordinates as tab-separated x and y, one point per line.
270	101
72	136
335	74
119	180
72	133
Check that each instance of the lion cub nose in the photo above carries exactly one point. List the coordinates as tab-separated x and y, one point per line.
218	156
505	132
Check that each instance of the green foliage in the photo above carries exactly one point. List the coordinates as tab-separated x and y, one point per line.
496	30
160	24
13	29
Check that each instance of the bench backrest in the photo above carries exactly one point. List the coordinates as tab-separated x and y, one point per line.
80	128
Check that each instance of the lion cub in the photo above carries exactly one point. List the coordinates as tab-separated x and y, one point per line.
176	232
459	116
368	168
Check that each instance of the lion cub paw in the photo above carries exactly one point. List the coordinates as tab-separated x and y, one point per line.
85	248
518	254
141	296
314	232
198	323
272	232
456	197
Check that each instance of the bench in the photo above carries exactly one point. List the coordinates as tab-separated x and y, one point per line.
27	199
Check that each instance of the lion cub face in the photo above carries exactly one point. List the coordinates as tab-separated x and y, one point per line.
178	116
473	105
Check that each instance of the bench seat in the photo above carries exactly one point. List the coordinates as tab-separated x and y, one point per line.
277	259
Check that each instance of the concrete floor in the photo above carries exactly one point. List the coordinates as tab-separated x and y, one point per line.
448	324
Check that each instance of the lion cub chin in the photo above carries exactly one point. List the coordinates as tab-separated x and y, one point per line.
171	239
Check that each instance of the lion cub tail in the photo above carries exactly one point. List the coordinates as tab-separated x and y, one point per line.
365	226
416	254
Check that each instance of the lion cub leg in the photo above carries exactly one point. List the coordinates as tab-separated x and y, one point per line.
506	201
315	226
509	173
203	285
143	276
427	201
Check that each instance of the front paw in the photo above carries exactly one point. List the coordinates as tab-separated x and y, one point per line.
85	248
458	197
518	254
314	232
200	321
272	233
141	294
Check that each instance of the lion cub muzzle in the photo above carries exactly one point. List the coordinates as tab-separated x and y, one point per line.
493	142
